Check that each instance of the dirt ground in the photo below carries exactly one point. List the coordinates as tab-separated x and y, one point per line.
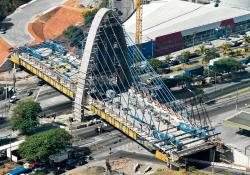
72	3
6	167
49	25
4	50
53	23
121	165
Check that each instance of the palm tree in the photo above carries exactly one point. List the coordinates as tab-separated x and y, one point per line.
168	57
246	41
202	51
224	48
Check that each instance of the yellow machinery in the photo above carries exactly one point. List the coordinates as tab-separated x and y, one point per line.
138	33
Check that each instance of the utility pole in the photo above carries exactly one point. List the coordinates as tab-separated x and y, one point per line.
236	102
14	77
213	161
215	81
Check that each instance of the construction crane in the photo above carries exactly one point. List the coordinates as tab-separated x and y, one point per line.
138	32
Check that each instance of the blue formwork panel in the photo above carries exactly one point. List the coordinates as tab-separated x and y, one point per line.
147	49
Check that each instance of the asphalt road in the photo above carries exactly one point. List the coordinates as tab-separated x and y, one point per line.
85	133
227	105
17	23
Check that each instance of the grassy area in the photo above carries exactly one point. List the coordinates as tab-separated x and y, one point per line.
234	94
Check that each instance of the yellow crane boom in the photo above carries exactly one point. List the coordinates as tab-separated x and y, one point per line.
138	32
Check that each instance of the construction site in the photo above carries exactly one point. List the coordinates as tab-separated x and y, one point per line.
106	73
142	108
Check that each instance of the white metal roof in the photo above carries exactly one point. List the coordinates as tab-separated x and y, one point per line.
245	4
168	16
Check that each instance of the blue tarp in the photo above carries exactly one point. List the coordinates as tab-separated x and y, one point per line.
17	171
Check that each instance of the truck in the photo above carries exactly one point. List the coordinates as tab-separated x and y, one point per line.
194	71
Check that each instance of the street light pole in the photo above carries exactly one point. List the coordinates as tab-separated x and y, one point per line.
237	94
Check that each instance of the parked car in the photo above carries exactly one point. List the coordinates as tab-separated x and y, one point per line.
173	62
13	99
29	93
40	82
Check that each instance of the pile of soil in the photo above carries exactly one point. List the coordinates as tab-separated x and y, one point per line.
4	50
52	24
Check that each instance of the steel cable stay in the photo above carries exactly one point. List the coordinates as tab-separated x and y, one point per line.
113	62
107	88
151	120
124	54
158	79
121	66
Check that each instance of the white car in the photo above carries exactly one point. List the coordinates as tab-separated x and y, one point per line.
13	99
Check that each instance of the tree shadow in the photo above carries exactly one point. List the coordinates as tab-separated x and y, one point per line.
6	24
42	128
243	132
2	121
6	141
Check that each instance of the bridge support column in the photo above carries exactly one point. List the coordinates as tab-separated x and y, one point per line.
79	107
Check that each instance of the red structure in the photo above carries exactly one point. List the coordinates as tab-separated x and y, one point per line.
228	23
169	43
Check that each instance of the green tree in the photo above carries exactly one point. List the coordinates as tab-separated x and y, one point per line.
246	42
227	65
8	6
24	116
246	39
42	145
184	57
224	48
1	90
168	57
155	63
89	15
211	54
202	49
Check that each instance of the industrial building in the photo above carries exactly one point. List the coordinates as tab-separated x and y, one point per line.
172	25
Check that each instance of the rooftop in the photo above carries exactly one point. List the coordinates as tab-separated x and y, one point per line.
169	16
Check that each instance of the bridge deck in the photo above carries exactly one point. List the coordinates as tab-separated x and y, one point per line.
133	128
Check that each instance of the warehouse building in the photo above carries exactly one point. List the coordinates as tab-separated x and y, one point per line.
172	25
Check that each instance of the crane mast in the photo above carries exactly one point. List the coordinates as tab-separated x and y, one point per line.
138	33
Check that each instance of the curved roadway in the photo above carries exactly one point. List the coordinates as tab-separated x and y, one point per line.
17	23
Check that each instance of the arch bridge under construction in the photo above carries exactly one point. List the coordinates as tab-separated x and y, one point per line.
114	80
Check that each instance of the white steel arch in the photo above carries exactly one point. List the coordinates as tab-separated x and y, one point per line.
80	96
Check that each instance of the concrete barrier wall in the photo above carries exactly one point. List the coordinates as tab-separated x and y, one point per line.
240	158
